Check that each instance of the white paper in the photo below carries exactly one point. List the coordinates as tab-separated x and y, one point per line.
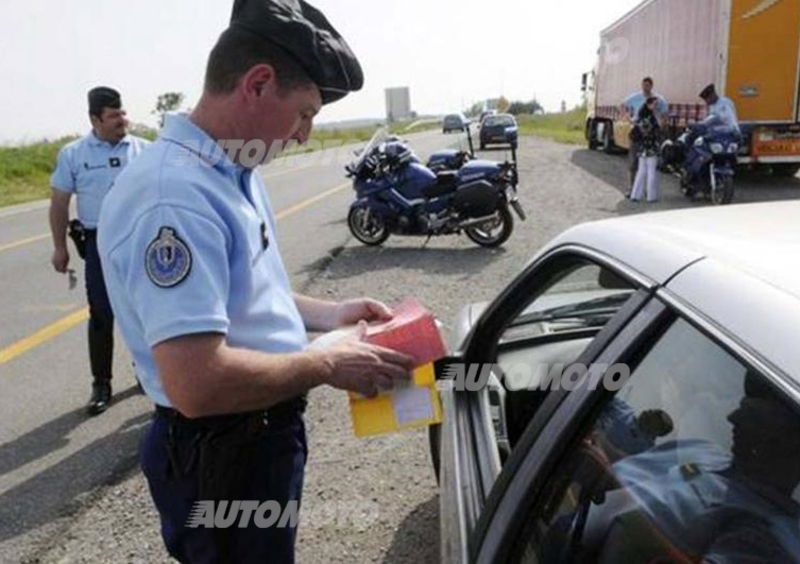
412	404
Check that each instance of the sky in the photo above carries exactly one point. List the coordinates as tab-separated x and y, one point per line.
449	53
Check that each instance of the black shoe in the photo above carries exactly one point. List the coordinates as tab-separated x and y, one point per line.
101	397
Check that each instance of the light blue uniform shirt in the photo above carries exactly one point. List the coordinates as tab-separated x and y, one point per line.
187	242
635	101
88	166
686	488
723	114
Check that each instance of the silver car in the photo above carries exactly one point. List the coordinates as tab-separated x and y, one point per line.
632	396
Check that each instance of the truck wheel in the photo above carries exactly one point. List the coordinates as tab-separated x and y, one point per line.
785	170
591	134
608	139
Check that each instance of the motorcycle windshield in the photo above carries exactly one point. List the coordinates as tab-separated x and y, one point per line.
380	136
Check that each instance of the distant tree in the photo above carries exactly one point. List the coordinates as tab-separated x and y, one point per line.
502	105
517	108
142	130
474	110
167	102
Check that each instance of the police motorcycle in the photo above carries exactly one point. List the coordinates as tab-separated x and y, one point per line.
452	159
704	159
396	194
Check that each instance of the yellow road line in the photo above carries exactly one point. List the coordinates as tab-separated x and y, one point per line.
311	201
290	211
15	244
66	323
287	171
53	330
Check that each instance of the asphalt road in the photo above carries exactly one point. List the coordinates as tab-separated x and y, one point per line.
52	457
69	488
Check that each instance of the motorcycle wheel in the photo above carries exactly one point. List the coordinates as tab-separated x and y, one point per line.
494	232
724	192
369	228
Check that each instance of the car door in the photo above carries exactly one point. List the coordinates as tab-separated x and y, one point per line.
695	457
565	306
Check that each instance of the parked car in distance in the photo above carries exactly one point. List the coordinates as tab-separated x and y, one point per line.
689	452
454	122
486	113
493	129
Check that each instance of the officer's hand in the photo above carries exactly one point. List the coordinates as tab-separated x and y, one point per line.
351	312
60	260
367	369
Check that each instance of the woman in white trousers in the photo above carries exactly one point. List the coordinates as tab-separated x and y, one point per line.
647	130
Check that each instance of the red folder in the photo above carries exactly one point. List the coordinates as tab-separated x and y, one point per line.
412	331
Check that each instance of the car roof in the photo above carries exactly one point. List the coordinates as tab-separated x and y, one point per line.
737	265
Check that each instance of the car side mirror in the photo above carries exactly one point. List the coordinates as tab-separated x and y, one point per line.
584	82
512	134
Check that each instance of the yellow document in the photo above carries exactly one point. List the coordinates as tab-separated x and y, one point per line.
407	406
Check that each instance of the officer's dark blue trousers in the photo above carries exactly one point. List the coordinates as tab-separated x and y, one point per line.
101	317
232	458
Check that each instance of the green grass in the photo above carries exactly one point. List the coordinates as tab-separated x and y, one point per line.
25	170
563	128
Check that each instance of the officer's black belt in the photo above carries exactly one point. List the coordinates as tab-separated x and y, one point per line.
277	412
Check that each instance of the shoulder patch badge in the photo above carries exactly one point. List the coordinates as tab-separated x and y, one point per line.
167	259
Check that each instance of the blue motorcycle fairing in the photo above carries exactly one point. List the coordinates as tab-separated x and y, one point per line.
726	170
413	179
477	169
377	206
445	158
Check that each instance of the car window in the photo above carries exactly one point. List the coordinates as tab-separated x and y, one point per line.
550	334
695	458
499	120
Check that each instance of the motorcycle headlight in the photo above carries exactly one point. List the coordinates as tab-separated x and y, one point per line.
716	148
733	148
699	142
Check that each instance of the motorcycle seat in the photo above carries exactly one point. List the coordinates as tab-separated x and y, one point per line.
445	183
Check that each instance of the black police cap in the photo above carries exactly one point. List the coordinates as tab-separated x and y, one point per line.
103	97
708	91
306	35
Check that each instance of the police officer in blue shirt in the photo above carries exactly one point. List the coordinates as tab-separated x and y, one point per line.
87	168
195	276
721	111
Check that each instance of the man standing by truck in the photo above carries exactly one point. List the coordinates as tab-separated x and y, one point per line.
631	107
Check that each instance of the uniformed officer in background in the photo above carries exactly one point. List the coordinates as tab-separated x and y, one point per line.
188	243
721	111
87	168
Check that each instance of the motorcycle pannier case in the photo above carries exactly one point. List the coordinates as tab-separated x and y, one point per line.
477	199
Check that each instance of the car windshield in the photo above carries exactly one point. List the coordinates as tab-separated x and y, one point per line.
499	120
595	309
380	136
